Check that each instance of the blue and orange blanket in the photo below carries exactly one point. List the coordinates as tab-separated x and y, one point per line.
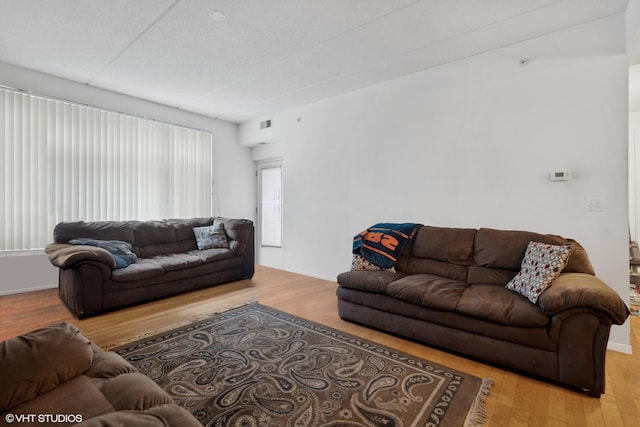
381	244
121	251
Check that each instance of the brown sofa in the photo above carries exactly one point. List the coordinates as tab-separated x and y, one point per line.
56	376
169	261
449	291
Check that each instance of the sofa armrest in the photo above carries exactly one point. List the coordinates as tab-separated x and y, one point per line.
239	231
571	290
36	362
65	256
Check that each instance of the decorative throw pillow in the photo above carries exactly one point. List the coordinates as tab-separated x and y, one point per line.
210	237
361	264
541	264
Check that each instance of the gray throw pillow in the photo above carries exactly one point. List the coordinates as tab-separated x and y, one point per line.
210	237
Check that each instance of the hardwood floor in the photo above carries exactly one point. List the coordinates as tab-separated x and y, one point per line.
515	400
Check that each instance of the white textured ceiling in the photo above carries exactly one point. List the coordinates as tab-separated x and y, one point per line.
267	55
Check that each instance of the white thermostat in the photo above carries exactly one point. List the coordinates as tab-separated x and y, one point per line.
560	176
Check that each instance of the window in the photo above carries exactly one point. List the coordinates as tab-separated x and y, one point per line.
270	207
65	162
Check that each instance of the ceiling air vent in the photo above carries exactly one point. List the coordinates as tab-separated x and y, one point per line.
265	124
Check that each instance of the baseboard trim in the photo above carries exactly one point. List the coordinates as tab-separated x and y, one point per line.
622	348
317	276
23	290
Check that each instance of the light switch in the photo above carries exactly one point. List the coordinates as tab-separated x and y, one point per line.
593	204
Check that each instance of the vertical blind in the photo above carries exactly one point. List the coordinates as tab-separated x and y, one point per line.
66	162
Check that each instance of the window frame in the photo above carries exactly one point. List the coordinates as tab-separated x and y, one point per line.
64	161
261	167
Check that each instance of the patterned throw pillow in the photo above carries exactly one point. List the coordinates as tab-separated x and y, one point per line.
210	237
361	264
542	263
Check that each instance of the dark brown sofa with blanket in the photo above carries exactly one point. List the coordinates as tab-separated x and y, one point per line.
448	291
169	261
55	376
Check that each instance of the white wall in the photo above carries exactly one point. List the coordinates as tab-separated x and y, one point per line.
634	175
234	184
469	144
632	25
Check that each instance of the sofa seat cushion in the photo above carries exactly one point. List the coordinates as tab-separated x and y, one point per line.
158	416
428	290
144	268
500	305
178	261
386	308
134	392
147	268
368	281
212	255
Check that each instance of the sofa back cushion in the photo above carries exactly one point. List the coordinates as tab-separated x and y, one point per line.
152	238
168	236
99	230
38	361
184	231
504	250
155	238
490	276
439	250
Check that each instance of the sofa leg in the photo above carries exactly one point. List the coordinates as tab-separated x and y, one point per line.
592	393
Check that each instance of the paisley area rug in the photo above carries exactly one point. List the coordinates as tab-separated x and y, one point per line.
256	366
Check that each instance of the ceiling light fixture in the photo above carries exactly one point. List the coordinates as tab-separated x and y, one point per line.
217	15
